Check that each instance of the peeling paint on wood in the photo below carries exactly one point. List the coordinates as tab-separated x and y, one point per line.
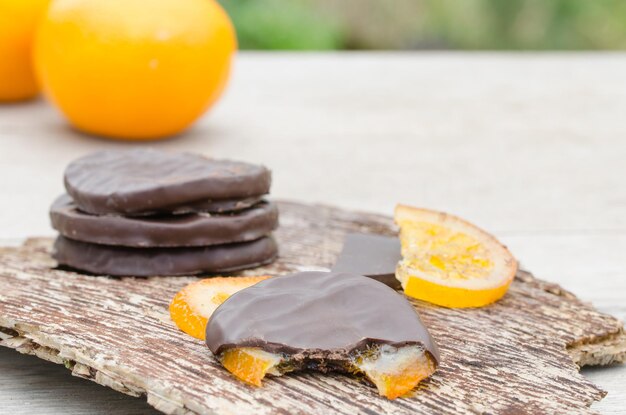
520	355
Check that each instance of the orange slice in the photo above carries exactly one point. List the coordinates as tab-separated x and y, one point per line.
450	262
192	306
250	364
396	371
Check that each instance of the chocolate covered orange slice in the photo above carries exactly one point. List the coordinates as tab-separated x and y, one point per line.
327	322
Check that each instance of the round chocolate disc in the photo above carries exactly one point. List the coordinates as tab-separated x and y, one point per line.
139	181
145	262
194	229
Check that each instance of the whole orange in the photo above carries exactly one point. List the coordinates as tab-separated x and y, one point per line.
134	69
18	21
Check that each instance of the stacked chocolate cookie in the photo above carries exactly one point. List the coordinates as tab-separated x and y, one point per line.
144	212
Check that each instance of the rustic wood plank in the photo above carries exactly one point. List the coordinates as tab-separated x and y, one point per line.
514	356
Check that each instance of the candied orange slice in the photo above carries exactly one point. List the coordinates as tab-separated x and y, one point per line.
450	262
396	371
250	364
192	306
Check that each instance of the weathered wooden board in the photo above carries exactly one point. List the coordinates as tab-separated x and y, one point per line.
520	355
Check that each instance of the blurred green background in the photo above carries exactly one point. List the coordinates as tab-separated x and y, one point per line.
429	24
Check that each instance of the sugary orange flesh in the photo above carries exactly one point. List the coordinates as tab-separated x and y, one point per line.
247	364
185	310
440	251
450	262
395	385
185	318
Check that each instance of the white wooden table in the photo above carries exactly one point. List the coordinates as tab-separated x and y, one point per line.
530	146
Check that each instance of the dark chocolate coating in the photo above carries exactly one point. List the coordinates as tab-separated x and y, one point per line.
206	206
374	256
310	312
139	181
144	262
194	229
202	206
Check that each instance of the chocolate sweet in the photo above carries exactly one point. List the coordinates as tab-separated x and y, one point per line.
327	322
373	256
144	212
124	261
322	316
194	229
141	181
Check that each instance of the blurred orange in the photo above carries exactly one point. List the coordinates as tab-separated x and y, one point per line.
18	21
134	69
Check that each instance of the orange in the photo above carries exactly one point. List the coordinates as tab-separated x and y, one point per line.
18	21
134	69
450	262
192	306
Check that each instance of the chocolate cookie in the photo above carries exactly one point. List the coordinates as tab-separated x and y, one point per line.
142	262
140	181
195	229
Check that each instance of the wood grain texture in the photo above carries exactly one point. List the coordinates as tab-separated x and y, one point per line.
513	357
